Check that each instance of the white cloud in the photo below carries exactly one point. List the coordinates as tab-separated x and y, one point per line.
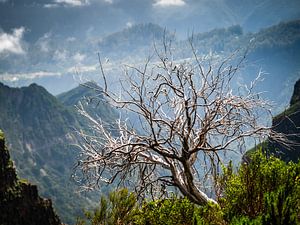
51	5
44	42
31	75
72	2
164	3
67	3
109	1
82	69
12	43
129	24
71	39
60	55
78	57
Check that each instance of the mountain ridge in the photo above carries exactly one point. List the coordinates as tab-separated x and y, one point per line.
40	131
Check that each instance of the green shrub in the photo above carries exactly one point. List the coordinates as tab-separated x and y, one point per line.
167	211
262	192
265	188
119	208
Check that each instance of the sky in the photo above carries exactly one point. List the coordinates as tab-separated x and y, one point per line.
80	17
31	30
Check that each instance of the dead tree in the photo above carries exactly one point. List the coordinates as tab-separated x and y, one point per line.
189	115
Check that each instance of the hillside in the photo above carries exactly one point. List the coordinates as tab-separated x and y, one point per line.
287	122
20	202
89	93
255	15
39	130
274	51
135	40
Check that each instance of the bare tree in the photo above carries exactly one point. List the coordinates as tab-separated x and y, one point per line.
189	116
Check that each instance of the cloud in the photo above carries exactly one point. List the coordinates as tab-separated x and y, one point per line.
67	3
73	2
129	24
71	39
51	5
78	58
82	69
12	43
164	3
109	1
3	1
43	43
60	55
12	77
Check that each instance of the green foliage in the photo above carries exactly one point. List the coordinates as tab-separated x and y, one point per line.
39	127
167	211
118	208
122	208
266	189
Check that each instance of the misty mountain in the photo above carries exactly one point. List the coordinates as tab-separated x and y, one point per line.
136	40
255	15
273	50
104	17
40	131
90	95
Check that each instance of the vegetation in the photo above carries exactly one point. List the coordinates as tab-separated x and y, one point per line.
39	127
20	202
264	191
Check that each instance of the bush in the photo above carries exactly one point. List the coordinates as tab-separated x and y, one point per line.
119	208
168	211
265	188
262	192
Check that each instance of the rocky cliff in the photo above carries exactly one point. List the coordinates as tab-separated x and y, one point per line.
288	122
20	202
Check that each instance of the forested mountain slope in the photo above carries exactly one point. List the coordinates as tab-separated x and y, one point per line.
40	132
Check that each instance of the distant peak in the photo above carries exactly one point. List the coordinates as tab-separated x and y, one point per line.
91	84
34	86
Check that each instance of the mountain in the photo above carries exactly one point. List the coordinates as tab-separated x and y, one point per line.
287	122
20	202
275	51
135	40
40	131
92	18
90	94
255	15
